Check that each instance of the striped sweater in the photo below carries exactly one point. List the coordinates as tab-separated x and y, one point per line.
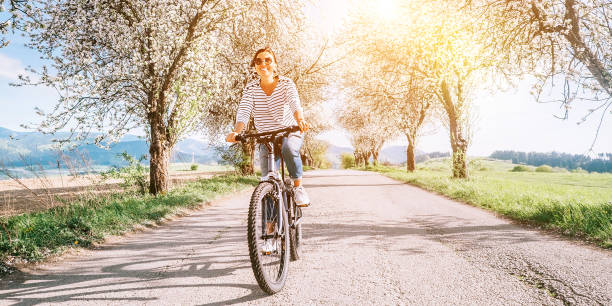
269	112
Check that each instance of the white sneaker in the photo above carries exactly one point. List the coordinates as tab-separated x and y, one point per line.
269	246
301	197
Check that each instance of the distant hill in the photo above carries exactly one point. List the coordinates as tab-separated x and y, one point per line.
396	154
19	149
334	152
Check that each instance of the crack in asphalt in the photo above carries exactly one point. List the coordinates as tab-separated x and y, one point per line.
539	281
529	273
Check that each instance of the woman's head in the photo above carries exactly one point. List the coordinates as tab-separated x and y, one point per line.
264	62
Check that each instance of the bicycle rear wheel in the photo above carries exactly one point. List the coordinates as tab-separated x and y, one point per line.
268	238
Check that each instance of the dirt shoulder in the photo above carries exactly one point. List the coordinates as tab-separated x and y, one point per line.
35	194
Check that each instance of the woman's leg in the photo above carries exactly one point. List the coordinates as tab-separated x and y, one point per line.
263	159
291	154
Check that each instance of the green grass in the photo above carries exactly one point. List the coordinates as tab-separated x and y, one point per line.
34	236
576	204
176	167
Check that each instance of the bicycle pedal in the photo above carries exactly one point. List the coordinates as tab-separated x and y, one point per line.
303	205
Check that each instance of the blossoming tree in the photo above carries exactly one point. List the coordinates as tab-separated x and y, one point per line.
551	39
9	14
120	65
433	52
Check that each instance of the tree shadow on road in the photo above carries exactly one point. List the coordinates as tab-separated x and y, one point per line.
446	229
196	252
130	270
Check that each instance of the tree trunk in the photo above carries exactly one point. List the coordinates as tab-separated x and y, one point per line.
248	151
410	164
159	150
459	161
458	142
375	157
358	158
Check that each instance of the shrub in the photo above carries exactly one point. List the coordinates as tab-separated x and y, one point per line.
475	163
234	156
134	175
579	170
544	168
521	168
348	160
194	167
325	164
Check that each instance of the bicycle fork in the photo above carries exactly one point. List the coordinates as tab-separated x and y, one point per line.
272	209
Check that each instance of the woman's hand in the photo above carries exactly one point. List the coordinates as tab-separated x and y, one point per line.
304	127
231	137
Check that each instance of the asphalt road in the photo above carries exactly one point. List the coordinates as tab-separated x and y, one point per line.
368	240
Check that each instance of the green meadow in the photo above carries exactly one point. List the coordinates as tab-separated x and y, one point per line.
575	204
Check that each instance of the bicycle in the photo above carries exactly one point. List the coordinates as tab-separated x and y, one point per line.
267	229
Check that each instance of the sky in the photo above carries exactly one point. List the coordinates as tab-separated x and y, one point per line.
510	120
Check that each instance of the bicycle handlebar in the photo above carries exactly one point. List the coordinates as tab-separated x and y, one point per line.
243	137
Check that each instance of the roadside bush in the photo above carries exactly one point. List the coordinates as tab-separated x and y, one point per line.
475	164
521	168
194	167
324	164
544	168
134	176
348	160
579	170
234	156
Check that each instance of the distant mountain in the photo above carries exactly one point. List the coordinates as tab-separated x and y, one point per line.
19	149
396	154
334	152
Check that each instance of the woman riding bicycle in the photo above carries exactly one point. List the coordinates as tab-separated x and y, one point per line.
274	103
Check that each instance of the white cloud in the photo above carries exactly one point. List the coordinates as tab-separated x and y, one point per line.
10	68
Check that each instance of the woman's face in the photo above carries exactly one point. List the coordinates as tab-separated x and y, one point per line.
264	64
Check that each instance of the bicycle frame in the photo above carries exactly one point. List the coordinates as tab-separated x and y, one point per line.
273	143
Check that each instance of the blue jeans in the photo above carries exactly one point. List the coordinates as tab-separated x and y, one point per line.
291	154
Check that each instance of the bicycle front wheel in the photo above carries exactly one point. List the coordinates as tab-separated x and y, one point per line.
295	233
268	238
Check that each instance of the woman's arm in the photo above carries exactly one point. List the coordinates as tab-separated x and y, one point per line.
231	137
242	116
299	118
296	106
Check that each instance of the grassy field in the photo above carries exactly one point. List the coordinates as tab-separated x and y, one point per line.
576	204
200	167
35	236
